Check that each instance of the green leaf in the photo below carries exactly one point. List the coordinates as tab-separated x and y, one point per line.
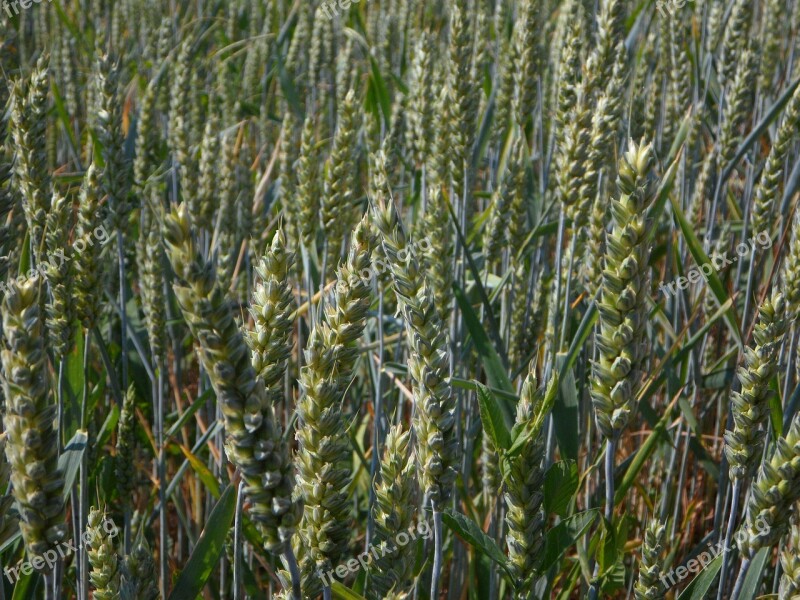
499	346
75	31
70	460
519	436
109	366
470	532
464	384
63	116
697	589
208	550
378	85
564	536
661	195
493	419
542	230
608	556
75	381
565	411
25	255
187	414
560	484
344	593
288	87
776	415
203	472
643	453
712	278
683	131
752	580
613	580
759	129
492	364
109	425
579	341
26	586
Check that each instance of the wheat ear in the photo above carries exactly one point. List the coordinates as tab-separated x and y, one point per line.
393	512
324	458
254	442
524	495
648	586
103	558
30	412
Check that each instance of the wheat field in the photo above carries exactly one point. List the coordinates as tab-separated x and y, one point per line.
399	299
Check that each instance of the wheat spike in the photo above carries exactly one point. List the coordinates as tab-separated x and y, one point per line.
32	445
734	37
526	58
124	467
272	306
622	306
207	186
744	443
434	419
772	495
790	272
57	270
88	267
525	490
117	172
253	435
324	458
147	138
103	558
648	585
29	131
393	513
790	561
338	200
737	107
769	186
138	573
150	258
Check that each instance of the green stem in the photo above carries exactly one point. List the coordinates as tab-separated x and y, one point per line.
237	543
437	551
737	589
162	479
728	537
122	307
294	572
83	498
